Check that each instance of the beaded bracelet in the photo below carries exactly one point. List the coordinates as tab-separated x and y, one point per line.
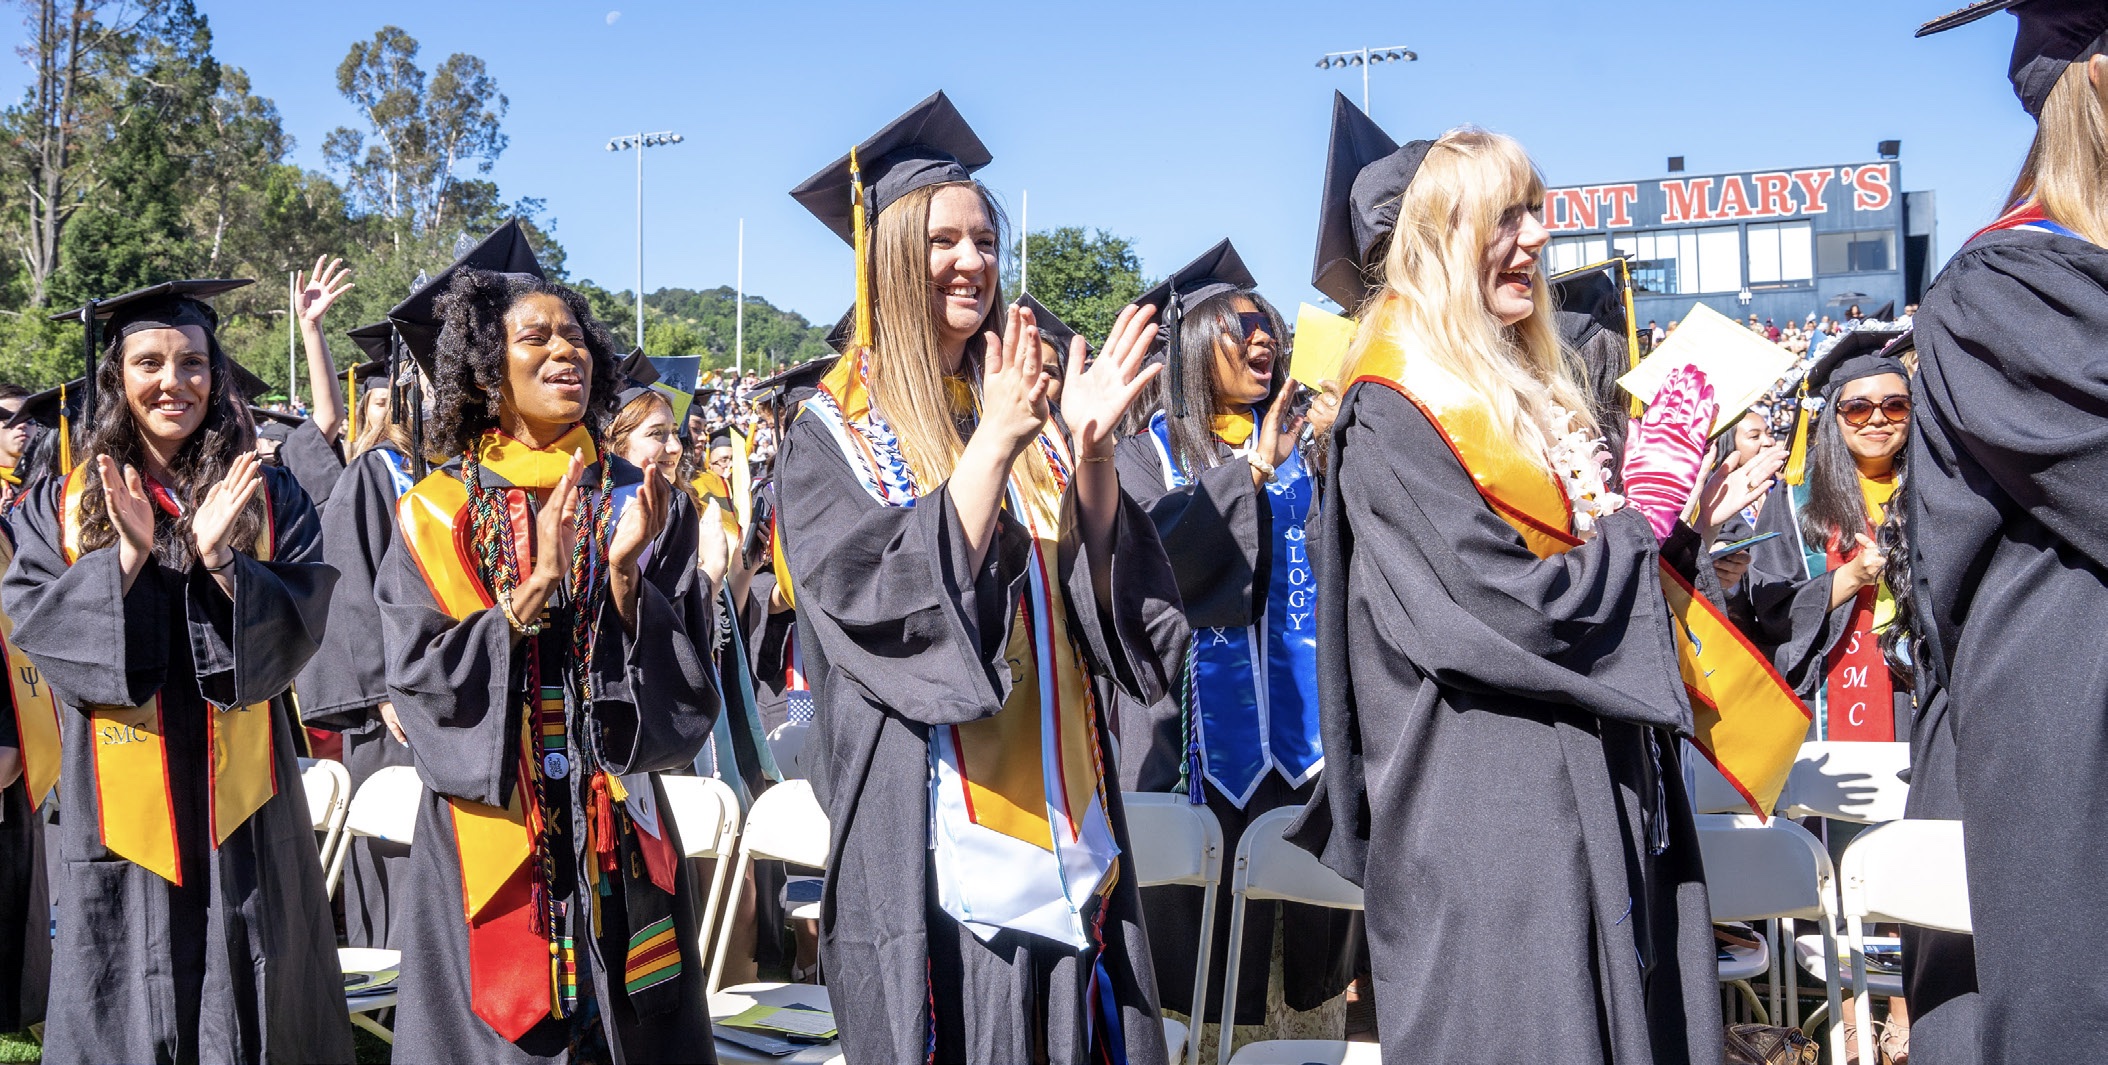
505	604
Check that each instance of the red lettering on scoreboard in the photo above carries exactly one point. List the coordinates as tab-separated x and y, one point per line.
1768	194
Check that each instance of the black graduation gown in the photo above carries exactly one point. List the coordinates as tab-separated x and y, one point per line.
2009	530
313	459
453	684
1499	737
25	897
343	685
768	639
238	964
1218	533
1787	614
901	633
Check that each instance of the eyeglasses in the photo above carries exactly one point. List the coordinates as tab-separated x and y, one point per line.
1859	410
1255	322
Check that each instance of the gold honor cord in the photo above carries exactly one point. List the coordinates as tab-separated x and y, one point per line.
860	336
65	432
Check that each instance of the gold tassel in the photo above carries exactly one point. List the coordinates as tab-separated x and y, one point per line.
1797	457
65	435
1632	326
860	336
351	400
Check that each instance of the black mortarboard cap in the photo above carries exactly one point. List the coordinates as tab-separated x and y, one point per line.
1587	302
42	408
1366	173
1218	270
416	318
844	328
264	416
2053	35
1052	330
377	342
678	372
167	305
929	145
795	384
1859	354
636	375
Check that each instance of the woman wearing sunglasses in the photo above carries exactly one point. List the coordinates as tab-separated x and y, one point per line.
1855	459
1218	468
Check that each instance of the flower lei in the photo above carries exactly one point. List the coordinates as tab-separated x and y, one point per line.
1582	462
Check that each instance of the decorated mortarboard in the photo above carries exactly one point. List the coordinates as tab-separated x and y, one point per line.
677	376
168	305
2053	35
929	145
416	318
636	375
1366	173
1052	330
1862	353
1218	270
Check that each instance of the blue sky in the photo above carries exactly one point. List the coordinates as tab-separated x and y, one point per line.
1171	124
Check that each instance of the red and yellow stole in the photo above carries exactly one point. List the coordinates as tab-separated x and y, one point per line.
36	709
1745	716
137	813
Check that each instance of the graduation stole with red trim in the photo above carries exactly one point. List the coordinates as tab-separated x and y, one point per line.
517	975
1745	716
1859	697
36	709
130	753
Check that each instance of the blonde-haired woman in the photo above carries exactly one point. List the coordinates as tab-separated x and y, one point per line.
965	575
1498	679
2009	540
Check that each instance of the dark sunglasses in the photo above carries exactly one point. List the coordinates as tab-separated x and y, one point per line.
1254	322
1859	410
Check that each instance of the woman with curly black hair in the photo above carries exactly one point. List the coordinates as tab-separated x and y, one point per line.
167	589
539	665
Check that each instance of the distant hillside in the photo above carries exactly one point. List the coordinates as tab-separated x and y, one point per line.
679	321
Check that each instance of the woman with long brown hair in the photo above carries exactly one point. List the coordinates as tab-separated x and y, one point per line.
2008	523
167	589
964	572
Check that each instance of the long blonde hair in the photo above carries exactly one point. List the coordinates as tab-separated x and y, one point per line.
2064	166
907	361
1432	302
376	428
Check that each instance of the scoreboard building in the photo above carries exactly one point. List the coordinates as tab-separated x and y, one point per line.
1774	243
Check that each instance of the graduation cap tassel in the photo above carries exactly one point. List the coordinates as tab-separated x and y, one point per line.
417	430
87	385
351	400
1632	325
860	336
397	387
1172	360
1797	456
65	434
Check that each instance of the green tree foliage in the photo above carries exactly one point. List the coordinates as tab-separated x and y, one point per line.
1085	279
420	129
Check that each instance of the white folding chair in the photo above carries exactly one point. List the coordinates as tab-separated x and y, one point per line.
1769	871
1269	867
1905	872
328	788
705	815
785	824
1710	791
385	807
1848	781
1176	842
787	747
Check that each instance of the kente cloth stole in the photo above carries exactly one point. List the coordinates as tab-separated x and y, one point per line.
517	976
1745	717
1019	832
36	709
1859	697
1254	689
134	805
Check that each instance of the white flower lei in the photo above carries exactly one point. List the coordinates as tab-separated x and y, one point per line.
1582	461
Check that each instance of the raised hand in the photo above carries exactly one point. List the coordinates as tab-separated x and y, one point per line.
641	523
1324	409
1277	440
131	513
1666	449
1735	484
714	550
555	537
1095	397
321	289
1013	388
214	521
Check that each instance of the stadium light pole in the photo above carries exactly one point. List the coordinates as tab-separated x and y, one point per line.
1366	58
638	142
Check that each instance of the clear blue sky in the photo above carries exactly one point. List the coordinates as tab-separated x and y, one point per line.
1173	125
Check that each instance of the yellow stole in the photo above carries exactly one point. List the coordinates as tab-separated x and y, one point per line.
130	753
1744	715
494	842
36	709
